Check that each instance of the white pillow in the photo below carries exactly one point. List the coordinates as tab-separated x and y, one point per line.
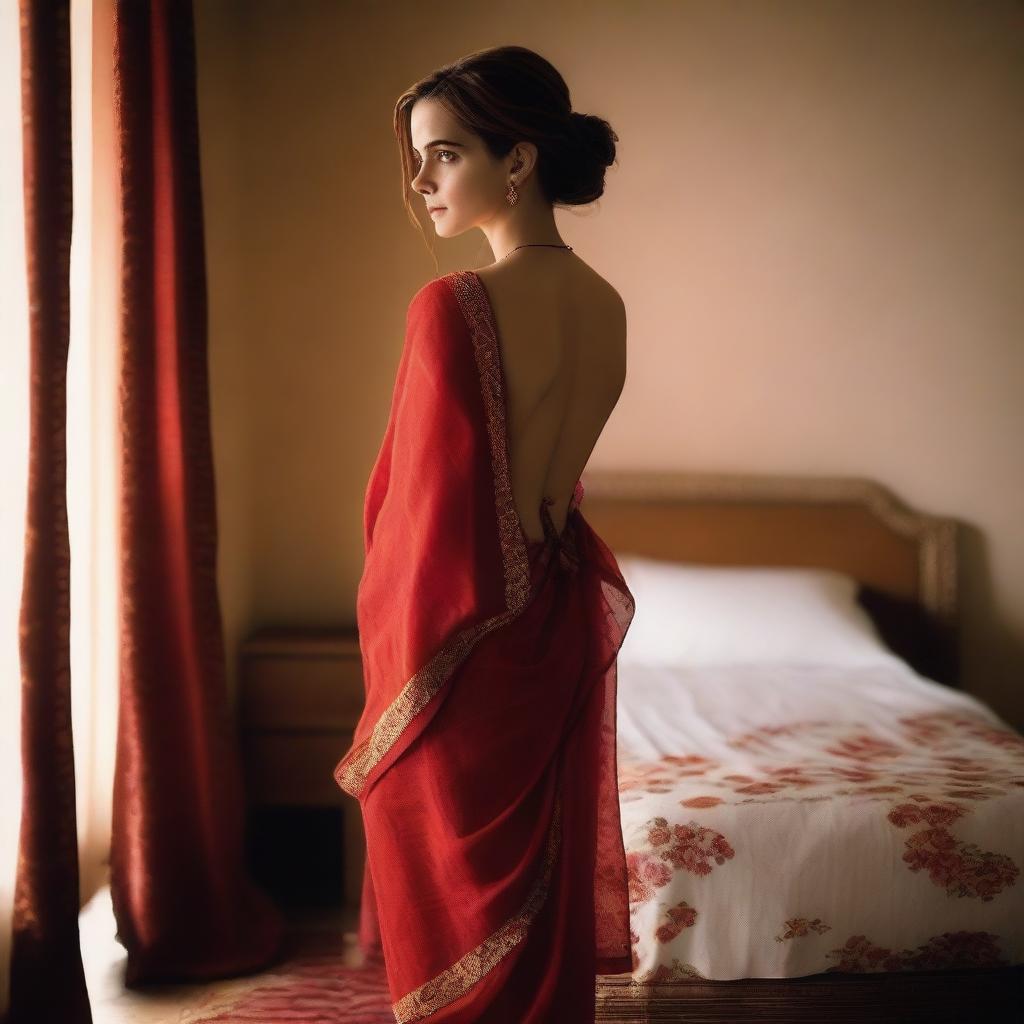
690	614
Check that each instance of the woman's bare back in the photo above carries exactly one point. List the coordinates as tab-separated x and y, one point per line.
562	335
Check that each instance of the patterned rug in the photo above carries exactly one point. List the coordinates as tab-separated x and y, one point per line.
318	981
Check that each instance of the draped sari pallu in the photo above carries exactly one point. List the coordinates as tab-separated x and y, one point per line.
484	761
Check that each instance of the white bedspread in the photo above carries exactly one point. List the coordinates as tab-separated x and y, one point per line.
785	821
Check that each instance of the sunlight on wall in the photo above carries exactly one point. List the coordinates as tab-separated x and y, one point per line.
92	434
13	463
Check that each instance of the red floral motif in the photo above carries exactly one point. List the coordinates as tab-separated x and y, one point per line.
864	747
948	951
659	832
761	736
934	814
691	846
961	868
655	776
685	759
935	726
798	927
645	873
878	767
972	778
972	792
853	774
681	916
676	971
761	787
701	801
793	777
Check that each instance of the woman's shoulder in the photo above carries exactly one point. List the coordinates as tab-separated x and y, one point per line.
435	292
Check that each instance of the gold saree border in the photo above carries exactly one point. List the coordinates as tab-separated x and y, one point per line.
476	308
351	772
455	981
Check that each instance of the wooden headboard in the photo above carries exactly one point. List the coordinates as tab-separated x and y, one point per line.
905	561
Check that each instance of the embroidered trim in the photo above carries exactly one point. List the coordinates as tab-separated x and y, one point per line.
350	773
456	980
477	311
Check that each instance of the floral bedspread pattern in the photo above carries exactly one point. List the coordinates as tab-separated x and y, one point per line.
881	828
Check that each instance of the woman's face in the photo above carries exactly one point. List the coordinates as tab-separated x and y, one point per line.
454	170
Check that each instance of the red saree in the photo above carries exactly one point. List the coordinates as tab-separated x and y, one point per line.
485	760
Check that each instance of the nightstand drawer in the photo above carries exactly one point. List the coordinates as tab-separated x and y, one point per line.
294	768
301	695
283	692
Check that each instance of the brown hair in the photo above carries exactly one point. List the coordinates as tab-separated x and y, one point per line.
509	94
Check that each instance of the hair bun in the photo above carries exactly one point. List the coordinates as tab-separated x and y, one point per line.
579	125
595	133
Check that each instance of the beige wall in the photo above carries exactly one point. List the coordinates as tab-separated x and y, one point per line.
816	225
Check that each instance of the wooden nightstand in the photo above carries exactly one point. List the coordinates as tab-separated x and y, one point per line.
301	694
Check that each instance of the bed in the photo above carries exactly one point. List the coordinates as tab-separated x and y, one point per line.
819	823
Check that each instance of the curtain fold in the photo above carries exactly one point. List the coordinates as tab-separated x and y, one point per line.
186	907
47	979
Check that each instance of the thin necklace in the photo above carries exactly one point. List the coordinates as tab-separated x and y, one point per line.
526	245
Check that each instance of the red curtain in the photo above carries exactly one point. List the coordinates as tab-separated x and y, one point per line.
185	906
47	979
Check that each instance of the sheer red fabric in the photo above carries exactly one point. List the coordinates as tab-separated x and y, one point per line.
485	759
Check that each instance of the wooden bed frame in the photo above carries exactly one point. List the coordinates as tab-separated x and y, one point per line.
906	564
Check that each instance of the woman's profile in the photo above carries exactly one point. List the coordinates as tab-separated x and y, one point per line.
490	614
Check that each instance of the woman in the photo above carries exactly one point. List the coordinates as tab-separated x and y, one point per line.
490	614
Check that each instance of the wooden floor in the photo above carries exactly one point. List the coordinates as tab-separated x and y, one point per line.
104	960
913	998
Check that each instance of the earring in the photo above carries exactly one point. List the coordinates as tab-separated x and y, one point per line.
512	195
